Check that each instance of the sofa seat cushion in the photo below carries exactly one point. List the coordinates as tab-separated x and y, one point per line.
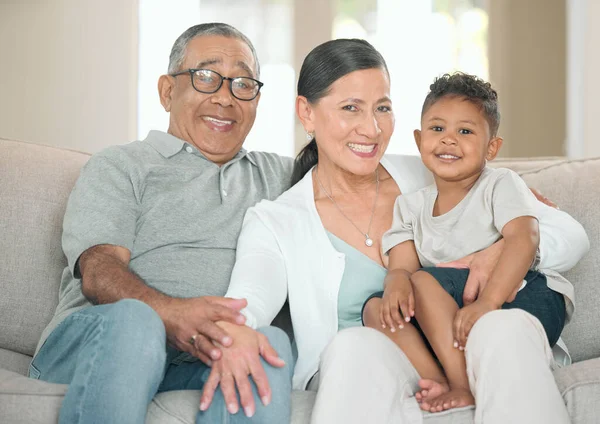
28	401
179	407
14	361
579	385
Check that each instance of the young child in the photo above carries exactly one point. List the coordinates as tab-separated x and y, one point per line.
469	208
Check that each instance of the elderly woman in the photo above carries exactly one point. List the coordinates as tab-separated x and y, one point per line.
318	245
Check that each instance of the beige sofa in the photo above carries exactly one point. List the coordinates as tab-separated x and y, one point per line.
35	182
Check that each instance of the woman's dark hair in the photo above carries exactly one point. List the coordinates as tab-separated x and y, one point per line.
323	66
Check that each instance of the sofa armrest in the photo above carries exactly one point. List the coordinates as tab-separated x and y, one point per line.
579	384
25	400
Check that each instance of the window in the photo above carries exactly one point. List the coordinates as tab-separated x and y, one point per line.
420	39
268	23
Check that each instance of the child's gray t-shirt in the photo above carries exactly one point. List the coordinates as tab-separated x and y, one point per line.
496	198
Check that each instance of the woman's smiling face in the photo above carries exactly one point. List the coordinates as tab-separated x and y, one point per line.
353	123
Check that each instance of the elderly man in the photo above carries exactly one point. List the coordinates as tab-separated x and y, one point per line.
150	234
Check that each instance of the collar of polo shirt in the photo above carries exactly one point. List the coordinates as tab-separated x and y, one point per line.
168	145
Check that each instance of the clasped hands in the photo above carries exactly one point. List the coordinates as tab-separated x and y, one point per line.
212	329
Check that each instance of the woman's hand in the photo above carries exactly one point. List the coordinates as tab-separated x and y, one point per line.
238	362
398	297
538	195
480	265
466	318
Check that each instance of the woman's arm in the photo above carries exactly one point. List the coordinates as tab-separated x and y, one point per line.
259	274
563	241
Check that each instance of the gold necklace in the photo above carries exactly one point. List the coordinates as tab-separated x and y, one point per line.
368	240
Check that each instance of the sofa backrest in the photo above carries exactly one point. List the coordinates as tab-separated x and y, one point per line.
35	182
575	186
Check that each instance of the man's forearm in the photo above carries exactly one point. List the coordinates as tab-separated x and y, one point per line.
106	278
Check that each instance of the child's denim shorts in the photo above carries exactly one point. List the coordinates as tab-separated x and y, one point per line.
536	298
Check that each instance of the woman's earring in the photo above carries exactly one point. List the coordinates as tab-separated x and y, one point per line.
310	135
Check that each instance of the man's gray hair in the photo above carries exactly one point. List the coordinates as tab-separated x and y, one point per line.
178	51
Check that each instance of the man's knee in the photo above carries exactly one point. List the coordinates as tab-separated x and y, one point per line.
134	326
135	313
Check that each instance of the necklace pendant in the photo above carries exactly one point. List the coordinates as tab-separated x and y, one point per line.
368	241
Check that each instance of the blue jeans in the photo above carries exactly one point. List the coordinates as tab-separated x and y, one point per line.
115	359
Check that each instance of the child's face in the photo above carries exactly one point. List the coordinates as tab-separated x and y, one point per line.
455	139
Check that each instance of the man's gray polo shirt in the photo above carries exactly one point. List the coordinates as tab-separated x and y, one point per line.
176	212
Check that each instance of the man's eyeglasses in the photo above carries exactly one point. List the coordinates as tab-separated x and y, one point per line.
208	82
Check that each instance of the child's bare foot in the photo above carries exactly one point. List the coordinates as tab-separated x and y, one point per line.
430	389
455	398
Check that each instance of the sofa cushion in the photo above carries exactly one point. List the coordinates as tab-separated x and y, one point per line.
522	165
28	401
181	407
24	400
14	361
574	186
34	196
579	385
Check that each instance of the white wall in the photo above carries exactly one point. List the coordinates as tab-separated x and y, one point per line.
68	76
591	85
583	69
69	73
153	57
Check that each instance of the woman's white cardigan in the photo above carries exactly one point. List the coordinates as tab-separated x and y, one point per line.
284	252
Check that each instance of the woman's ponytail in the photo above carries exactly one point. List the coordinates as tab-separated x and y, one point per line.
306	159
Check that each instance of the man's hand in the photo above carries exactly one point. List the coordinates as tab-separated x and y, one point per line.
398	297
106	278
238	362
466	318
480	265
191	324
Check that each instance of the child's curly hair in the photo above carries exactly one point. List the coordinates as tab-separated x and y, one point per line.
471	88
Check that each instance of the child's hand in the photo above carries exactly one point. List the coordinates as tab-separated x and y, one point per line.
397	297
466	318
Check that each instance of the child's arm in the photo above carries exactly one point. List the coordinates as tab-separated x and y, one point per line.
398	293
514	216
521	240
